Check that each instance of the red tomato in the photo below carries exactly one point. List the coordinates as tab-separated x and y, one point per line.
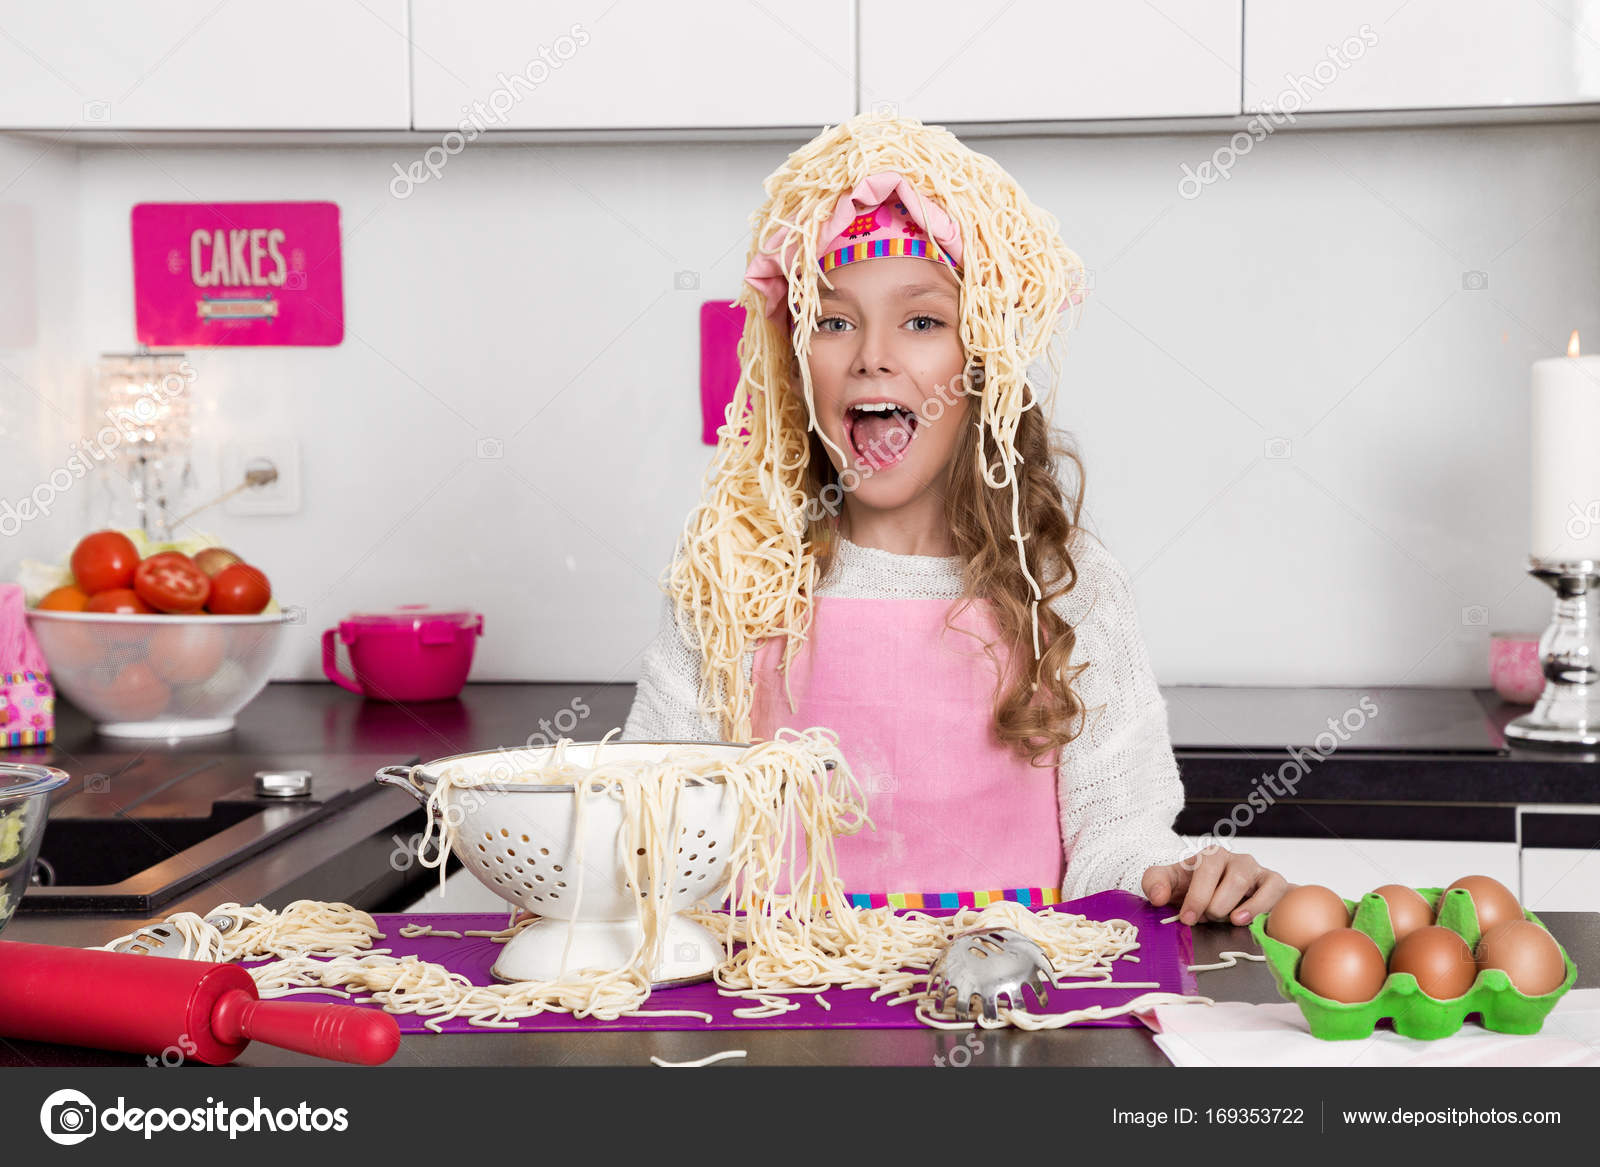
239	590
170	582
184	654
123	601
67	599
103	561
69	646
134	694
211	560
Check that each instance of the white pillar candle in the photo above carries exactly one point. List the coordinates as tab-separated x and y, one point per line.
1566	457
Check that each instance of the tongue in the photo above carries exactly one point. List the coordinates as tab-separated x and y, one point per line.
881	437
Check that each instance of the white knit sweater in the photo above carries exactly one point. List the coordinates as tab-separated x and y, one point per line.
1118	786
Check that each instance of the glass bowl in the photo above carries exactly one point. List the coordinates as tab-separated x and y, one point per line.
24	802
158	676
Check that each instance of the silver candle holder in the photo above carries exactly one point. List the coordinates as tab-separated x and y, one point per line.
1568	711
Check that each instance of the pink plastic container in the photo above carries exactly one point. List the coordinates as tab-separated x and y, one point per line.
413	653
1515	667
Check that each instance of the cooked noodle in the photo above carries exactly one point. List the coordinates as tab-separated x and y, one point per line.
306	928
709	1059
1229	960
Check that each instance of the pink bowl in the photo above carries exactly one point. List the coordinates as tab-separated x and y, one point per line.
1515	668
414	653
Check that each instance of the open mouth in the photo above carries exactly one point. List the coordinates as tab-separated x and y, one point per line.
880	432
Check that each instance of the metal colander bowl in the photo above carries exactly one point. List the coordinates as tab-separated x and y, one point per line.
518	839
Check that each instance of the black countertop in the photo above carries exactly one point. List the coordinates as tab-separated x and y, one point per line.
1422	746
1416	743
1400	755
1377	763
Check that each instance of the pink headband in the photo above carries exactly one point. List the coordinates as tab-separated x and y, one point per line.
883	216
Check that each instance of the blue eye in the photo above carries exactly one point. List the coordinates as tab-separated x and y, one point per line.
930	322
825	324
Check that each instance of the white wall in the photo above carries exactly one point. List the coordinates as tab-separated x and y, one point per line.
41	376
527	296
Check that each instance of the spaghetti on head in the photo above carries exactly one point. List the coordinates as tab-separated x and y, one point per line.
753	550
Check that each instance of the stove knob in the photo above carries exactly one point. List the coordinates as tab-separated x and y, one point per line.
283	783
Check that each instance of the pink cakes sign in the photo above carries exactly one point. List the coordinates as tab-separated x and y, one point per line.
237	274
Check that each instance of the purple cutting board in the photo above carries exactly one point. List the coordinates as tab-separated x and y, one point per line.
1165	953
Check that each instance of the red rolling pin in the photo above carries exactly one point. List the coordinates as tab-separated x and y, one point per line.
147	1004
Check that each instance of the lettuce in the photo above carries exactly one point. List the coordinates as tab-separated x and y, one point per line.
40	579
10	836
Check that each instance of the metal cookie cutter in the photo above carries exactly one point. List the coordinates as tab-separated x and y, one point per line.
989	963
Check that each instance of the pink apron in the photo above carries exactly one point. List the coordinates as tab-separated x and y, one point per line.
961	820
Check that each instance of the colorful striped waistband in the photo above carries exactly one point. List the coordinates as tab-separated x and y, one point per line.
1028	897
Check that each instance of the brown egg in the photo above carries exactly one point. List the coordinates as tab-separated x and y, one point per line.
1493	899
1527	954
1343	965
1407	910
1304	913
1439	959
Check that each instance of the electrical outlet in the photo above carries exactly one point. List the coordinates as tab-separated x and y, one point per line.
281	497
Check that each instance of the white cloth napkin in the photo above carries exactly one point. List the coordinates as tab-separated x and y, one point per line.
1231	1033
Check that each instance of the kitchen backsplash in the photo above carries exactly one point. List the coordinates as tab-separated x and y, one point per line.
1301	393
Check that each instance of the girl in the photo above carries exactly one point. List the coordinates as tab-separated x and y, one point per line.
883	548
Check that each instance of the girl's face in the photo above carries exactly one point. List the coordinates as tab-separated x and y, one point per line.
886	363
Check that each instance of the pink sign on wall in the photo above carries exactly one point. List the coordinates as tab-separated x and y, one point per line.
721	326
237	274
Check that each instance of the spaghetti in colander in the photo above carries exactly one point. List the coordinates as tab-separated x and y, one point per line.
795	795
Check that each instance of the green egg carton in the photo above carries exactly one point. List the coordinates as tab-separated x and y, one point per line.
1500	1004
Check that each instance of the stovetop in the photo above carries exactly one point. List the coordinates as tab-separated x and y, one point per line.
132	832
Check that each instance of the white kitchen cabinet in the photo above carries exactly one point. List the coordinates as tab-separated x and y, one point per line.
1560	879
200	65
1353	867
625	64
1047	60
1560	857
1425	54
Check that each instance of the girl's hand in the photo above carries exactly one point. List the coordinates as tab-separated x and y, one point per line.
1217	884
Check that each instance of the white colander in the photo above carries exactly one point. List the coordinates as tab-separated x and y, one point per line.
518	839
